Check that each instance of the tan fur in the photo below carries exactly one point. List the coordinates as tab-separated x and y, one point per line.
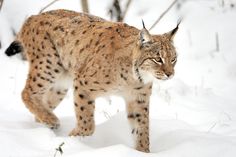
101	58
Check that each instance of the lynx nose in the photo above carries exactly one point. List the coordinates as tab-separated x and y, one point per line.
169	74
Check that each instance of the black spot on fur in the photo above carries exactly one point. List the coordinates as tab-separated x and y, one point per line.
76	42
92	90
140	101
109	27
39	85
73	32
49	62
81	50
138	88
90	102
48	67
81	83
97	42
34	79
131	116
56	70
81	96
123	77
82	108
59	63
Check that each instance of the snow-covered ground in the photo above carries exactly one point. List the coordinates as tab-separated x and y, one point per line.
192	115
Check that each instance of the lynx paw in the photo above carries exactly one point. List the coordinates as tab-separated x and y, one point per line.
80	132
50	121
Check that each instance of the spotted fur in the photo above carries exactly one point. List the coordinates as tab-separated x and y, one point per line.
99	58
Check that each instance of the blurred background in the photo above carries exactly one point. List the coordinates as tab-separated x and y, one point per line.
195	108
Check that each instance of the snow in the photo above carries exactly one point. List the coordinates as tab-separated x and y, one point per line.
192	114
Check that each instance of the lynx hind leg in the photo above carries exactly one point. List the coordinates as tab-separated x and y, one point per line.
53	97
39	95
56	93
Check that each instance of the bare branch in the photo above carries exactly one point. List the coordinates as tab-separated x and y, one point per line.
1	3
126	9
54	1
163	14
117	12
85	7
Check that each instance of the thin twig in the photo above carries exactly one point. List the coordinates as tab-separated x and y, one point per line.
163	14
59	149
47	6
217	42
212	127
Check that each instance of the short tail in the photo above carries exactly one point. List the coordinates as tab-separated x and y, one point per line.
14	48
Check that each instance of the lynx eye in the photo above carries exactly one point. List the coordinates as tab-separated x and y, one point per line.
173	60
157	60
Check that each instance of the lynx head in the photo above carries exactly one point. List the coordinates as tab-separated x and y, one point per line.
155	56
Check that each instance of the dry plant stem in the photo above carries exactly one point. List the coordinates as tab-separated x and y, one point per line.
48	6
84	4
163	14
59	149
217	42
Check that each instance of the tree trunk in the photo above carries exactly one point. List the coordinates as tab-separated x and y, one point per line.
1	3
84	4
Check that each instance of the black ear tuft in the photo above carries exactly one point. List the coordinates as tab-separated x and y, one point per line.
143	24
176	28
170	35
145	36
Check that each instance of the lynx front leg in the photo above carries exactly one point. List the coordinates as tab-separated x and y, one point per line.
84	109
138	115
139	118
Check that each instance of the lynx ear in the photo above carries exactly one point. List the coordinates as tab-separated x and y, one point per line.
144	35
172	33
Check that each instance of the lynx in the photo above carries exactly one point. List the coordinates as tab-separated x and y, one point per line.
99	58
